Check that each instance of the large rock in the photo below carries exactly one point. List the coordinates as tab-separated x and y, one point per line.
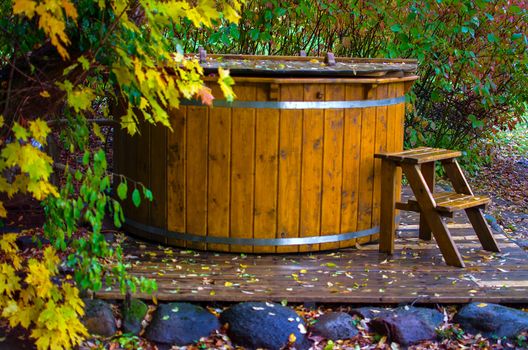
99	318
30	242
133	315
370	312
408	325
264	325
180	324
492	320
335	326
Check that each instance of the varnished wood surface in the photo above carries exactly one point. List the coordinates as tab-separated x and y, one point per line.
266	173
415	273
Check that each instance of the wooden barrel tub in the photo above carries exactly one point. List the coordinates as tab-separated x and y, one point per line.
287	167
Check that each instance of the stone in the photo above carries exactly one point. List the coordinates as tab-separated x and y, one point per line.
335	326
133	314
30	242
180	324
408	325
264	325
369	312
99	318
16	338
492	320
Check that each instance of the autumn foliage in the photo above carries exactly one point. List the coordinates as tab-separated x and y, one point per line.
64	63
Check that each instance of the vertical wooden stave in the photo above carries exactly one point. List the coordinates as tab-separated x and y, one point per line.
366	166
176	175
398	133
158	179
380	145
311	167
351	159
266	172
290	137
196	173
219	177
242	169
332	165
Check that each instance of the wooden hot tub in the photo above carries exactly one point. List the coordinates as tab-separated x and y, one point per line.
288	166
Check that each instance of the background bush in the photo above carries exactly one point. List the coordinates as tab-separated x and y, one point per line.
472	54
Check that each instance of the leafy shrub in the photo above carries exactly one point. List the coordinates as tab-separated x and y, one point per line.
472	54
71	60
32	297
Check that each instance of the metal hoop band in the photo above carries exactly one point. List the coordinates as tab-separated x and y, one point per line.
252	241
299	104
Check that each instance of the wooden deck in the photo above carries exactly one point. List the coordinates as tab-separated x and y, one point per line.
415	273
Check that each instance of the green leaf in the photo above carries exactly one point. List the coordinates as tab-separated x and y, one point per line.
122	190
492	38
396	28
20	132
136	198
147	193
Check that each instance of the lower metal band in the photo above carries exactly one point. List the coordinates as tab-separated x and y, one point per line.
252	241
299	104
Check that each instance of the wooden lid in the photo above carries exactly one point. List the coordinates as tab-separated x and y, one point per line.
298	66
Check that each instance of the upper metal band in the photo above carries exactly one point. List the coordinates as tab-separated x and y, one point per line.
252	241
299	104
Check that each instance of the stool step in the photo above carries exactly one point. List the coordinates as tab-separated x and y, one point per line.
449	202
420	155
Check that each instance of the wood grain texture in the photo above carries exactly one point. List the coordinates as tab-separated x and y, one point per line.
312	167
410	275
290	145
196	173
366	167
158	178
380	145
388	207
332	165
219	175
261	173
176	174
434	221
266	172
351	158
242	169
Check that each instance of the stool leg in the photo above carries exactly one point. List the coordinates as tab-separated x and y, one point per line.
428	172
481	227
387	207
427	207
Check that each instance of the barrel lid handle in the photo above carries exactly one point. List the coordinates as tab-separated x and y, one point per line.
330	59
202	54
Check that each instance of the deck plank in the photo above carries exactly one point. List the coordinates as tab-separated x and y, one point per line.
415	273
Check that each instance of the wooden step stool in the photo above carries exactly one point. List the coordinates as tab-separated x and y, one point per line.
418	165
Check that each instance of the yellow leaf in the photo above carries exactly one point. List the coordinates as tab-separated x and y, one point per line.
292	338
20	132
69	9
97	131
1	121
39	277
45	94
230	14
226	81
81	99
3	211
8	243
24	7
40	130
482	305
228	284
